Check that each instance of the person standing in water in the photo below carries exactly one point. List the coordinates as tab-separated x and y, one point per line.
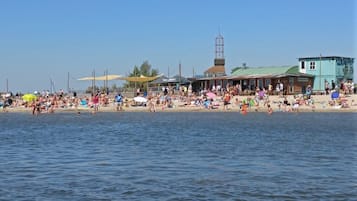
270	109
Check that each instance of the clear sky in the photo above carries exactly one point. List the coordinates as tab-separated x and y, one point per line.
45	39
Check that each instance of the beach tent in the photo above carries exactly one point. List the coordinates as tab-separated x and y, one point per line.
104	78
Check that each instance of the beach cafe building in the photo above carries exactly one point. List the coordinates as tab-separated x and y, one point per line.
249	78
327	69
294	82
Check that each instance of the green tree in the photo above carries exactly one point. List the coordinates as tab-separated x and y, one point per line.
136	72
145	70
154	72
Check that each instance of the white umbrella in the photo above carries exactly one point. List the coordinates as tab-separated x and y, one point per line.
140	99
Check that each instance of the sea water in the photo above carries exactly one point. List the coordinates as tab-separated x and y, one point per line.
178	156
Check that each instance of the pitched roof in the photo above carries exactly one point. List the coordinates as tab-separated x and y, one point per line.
323	58
216	69
267	72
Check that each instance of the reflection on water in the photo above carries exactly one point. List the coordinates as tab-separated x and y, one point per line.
178	156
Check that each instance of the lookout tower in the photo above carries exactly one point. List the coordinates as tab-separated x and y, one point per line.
218	69
219	57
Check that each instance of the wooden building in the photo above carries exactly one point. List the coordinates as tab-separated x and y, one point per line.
293	81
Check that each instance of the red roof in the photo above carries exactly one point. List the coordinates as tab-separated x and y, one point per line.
216	69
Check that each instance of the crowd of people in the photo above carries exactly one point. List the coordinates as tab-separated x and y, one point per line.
223	98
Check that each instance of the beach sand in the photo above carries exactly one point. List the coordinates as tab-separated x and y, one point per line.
320	104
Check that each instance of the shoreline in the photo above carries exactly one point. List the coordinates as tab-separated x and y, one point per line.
177	110
320	105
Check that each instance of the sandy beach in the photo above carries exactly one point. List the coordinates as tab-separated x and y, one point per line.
318	103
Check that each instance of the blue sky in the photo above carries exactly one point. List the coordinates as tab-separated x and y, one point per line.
45	39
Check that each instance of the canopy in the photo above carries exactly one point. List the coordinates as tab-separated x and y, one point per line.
140	78
103	78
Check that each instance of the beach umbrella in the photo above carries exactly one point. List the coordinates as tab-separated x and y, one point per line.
29	97
335	95
211	95
140	99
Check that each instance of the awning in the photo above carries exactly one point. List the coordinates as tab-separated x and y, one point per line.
102	78
140	78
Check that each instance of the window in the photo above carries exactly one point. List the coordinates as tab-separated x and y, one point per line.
303	65
267	82
291	84
252	84
312	65
260	83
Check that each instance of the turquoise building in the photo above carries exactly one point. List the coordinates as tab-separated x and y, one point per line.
331	69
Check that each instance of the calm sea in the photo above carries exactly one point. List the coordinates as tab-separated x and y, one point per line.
178	156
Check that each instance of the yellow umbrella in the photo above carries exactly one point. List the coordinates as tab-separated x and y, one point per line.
29	97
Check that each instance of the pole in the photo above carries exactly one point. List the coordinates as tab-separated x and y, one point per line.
53	90
68	89
7	85
106	80
320	75
93	82
135	84
180	73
